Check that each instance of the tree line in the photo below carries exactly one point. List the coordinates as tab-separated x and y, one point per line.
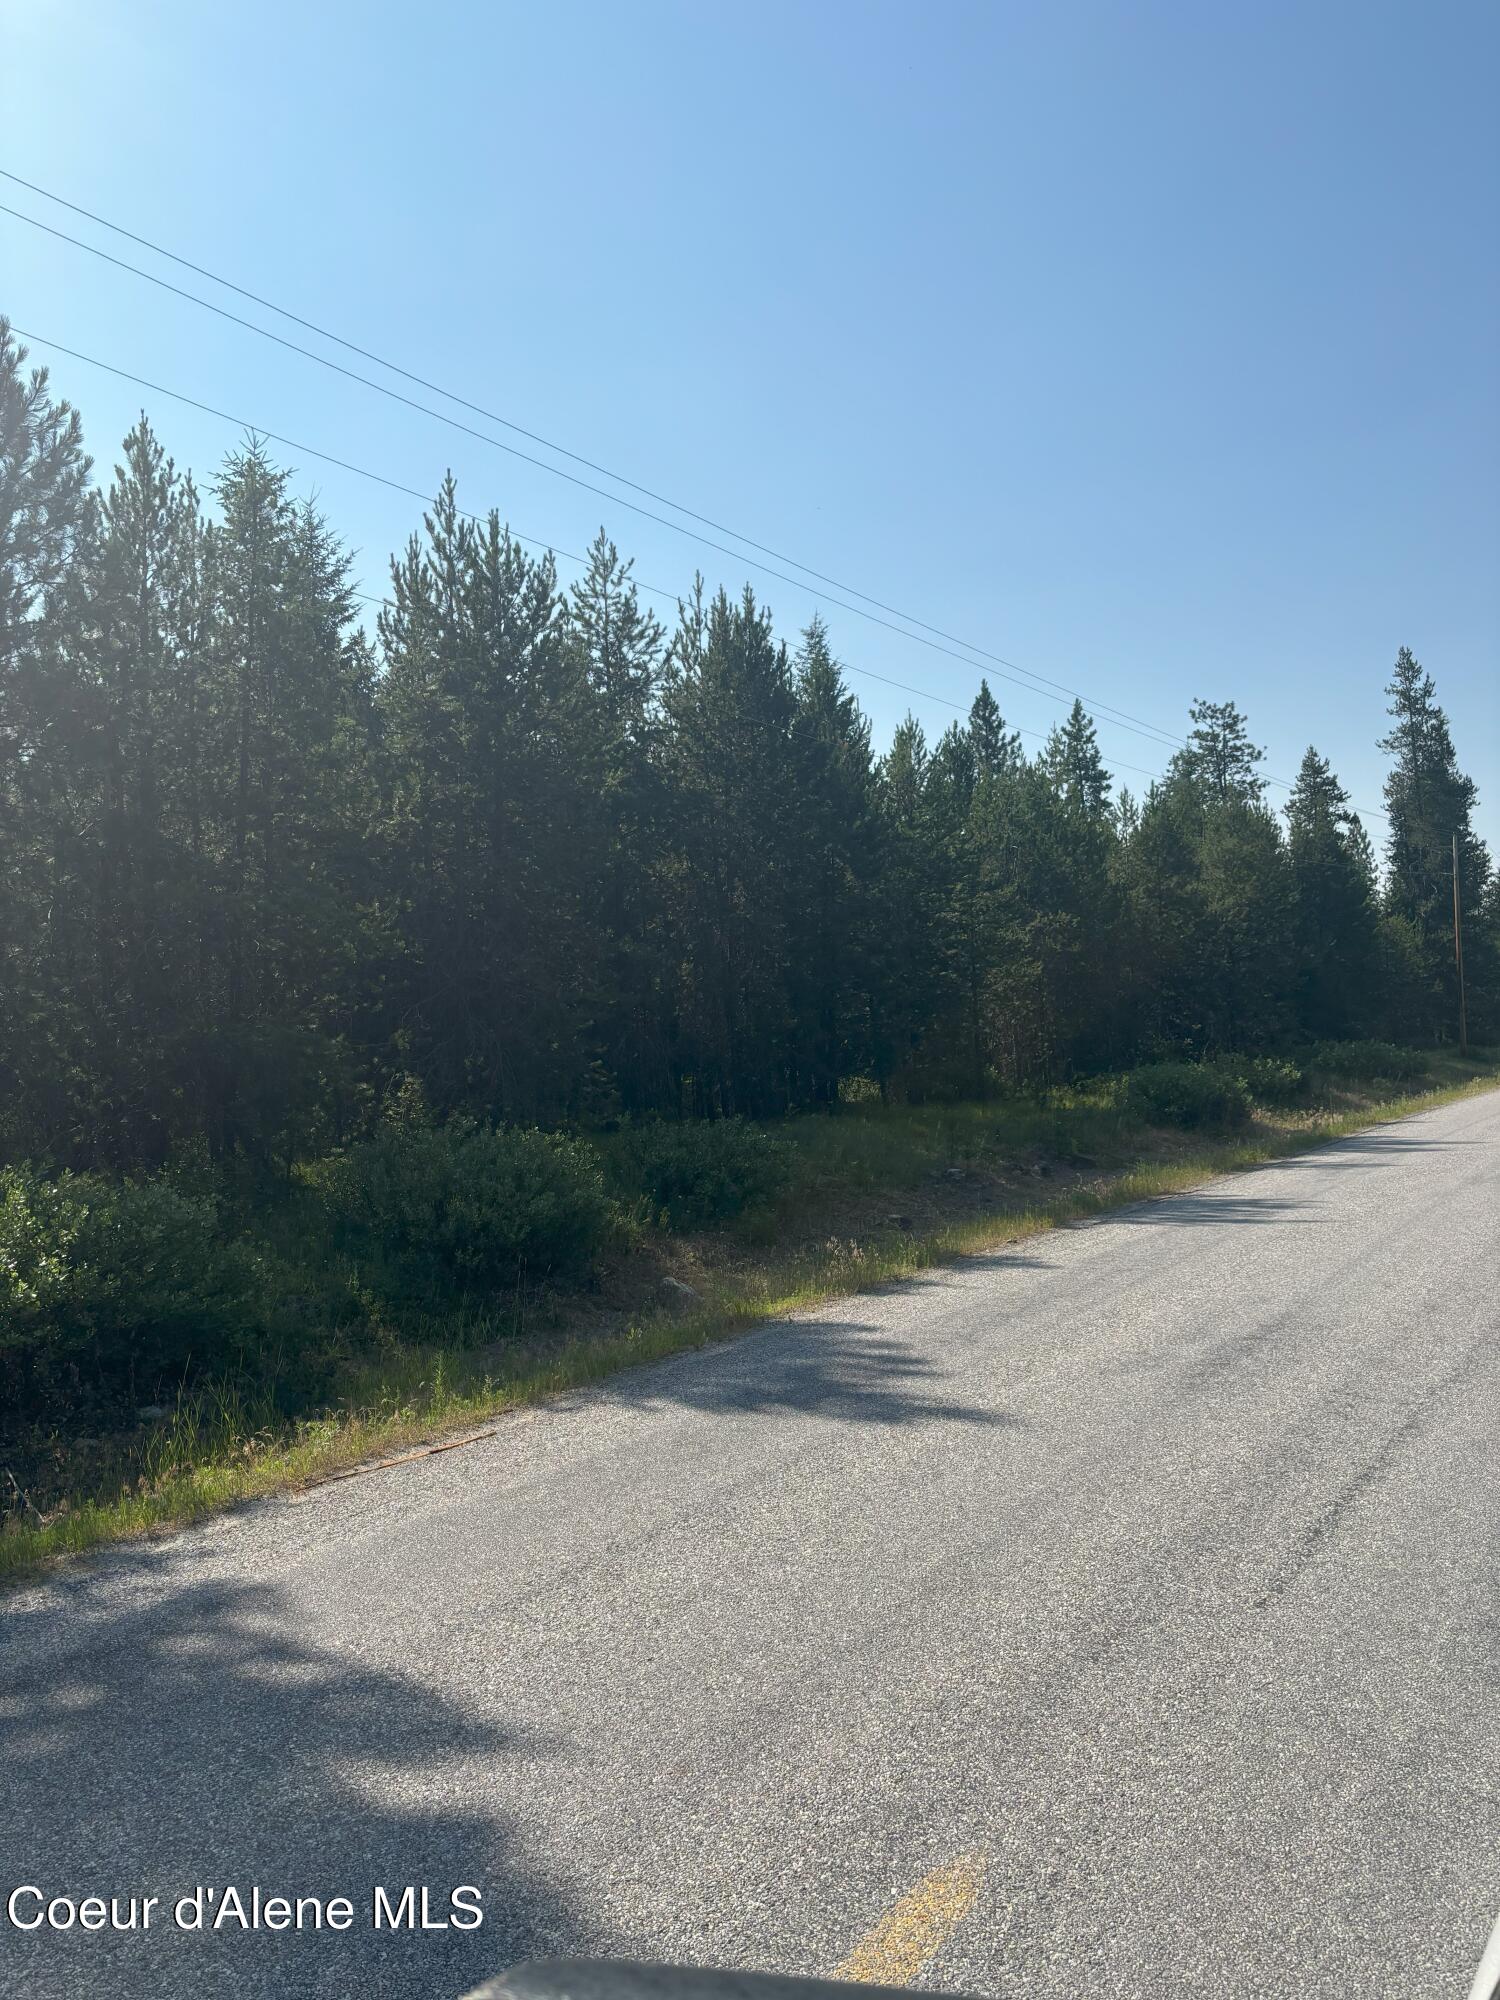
560	864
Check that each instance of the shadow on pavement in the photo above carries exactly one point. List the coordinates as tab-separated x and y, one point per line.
1193	1209
845	1369
195	1742
1376	1143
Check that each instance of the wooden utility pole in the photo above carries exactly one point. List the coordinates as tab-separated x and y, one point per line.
1458	955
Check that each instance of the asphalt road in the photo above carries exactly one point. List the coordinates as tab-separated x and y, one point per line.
1146	1572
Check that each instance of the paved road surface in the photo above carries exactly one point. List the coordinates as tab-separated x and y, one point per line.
1147	1573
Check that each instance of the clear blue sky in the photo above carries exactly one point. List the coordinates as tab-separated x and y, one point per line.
1152	347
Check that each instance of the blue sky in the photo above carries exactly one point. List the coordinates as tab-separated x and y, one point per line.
1150	347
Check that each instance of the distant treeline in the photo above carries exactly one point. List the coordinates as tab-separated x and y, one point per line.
558	864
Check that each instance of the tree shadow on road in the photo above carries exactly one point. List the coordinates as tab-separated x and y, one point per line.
1198	1209
1374	1146
200	1740
849	1370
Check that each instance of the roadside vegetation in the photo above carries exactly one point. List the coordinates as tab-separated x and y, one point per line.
174	1353
405	1011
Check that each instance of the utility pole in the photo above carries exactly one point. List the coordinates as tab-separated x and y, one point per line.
1458	955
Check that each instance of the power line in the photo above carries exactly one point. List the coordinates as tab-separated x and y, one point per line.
922	694
415	493
550	548
535	437
1036	681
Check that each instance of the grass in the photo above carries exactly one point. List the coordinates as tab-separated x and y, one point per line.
962	1166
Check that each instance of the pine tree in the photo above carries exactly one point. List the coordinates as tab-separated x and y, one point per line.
492	729
521	852
149	890
1430	803
1336	922
1245	952
911	983
995	748
957	777
43	492
832	966
1074	766
621	647
733	872
287	683
1158	871
1083	830
1219	761
48	524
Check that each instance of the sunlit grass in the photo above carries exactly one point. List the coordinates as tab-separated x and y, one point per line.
217	1450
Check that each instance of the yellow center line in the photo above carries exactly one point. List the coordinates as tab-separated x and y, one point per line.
908	1937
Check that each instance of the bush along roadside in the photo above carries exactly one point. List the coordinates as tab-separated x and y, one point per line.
690	1175
1189	1096
115	1292
429	1208
374	1301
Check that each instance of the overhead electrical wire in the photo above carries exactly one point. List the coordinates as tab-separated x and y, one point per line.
530	541
1011	668
905	687
468	513
1035	683
478	409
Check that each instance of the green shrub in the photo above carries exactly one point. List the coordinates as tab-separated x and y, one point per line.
113	1289
1269	1079
695	1173
467	1205
1186	1094
1367	1060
